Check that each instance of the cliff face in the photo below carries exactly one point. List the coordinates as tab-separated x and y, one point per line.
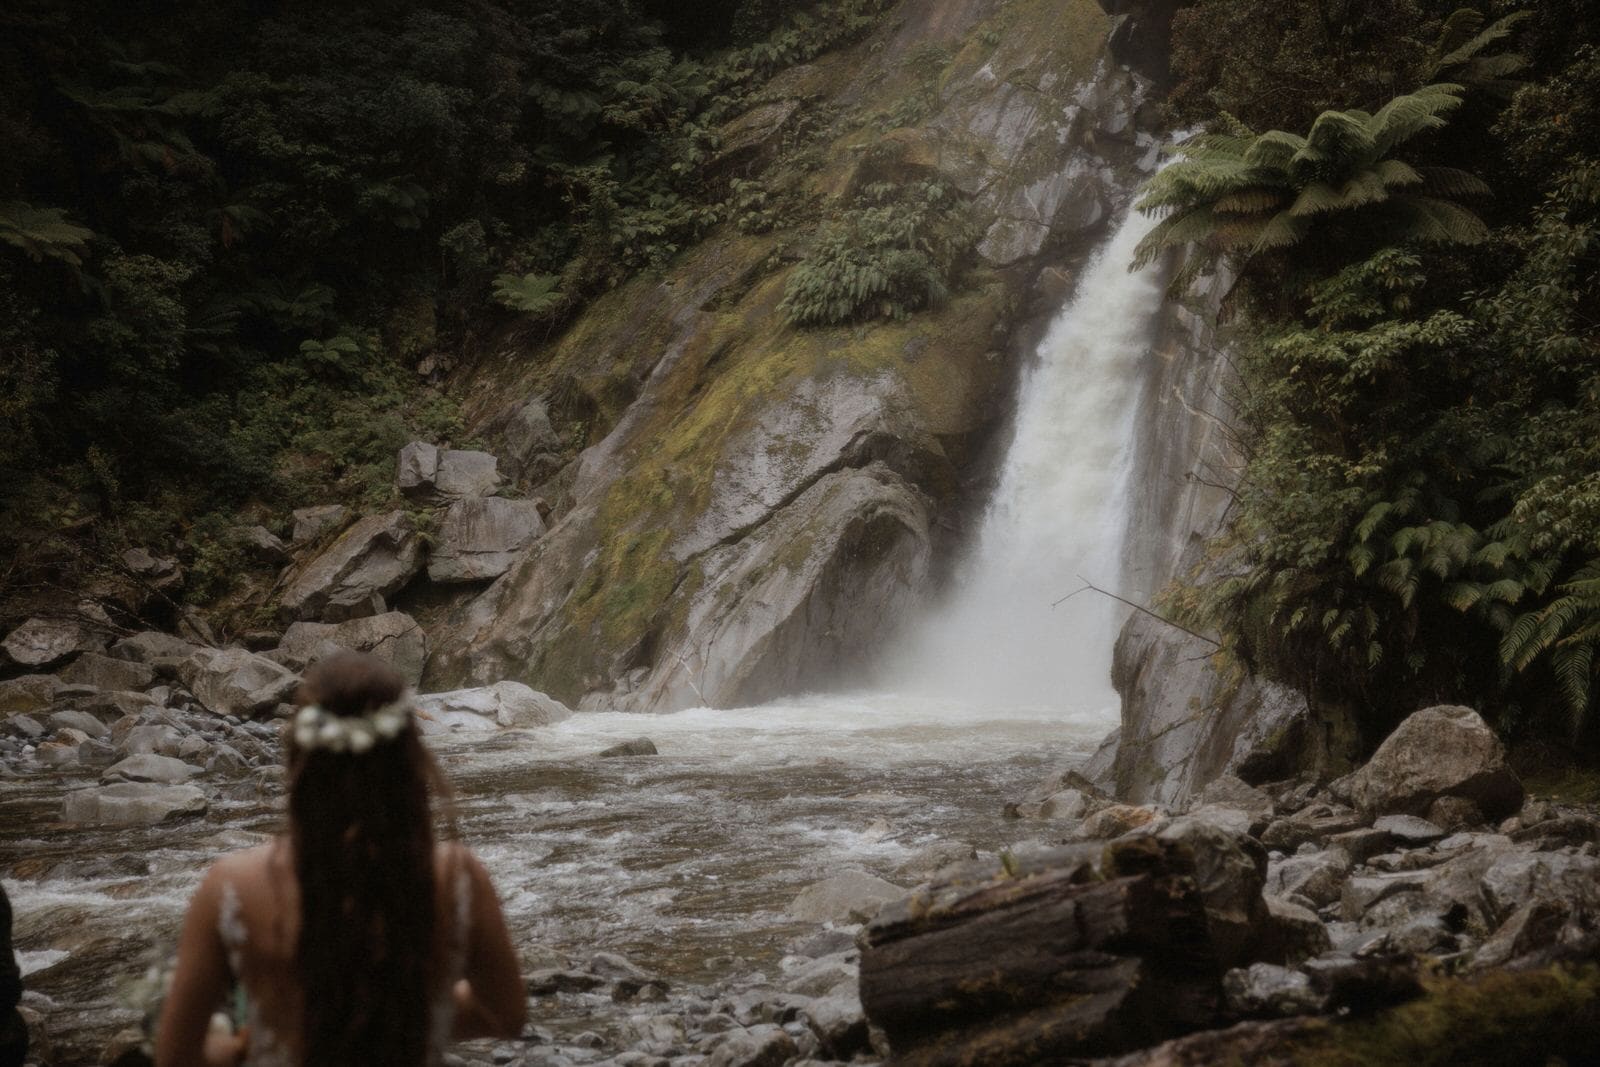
757	505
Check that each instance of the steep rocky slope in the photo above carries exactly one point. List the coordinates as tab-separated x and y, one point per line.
757	503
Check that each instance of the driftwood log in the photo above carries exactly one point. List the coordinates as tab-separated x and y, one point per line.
1082	958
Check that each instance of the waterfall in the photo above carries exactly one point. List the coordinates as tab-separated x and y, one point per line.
1060	510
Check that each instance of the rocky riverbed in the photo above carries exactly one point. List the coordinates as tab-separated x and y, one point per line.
697	904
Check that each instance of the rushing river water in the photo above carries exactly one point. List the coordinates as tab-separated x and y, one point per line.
683	862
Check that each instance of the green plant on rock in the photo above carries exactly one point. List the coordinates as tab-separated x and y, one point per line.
1237	195
894	251
531	294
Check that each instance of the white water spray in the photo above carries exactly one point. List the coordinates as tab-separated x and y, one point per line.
1060	511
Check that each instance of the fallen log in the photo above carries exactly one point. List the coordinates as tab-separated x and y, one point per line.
1035	968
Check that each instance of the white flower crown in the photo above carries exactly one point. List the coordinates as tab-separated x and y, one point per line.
319	730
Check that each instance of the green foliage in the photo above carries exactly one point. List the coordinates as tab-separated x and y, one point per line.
1238	195
43	233
894	250
531	294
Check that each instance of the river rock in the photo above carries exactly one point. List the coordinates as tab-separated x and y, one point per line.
1437	752
309	523
1117	820
44	642
1294	933
849	896
764	1045
1408	830
393	637
1317	877
72	719
1229	869
262	544
106	672
24	726
150	768
481	537
150	739
231	681
370	561
639	746
27	694
839	1023
506	704
161	651
1268	990
426	471
132	803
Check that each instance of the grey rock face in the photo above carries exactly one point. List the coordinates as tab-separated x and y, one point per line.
1264	989
480	538
529	433
1438	752
231	681
41	642
505	704
78	720
372	560
263	544
309	523
133	803
426	471
853	896
393	637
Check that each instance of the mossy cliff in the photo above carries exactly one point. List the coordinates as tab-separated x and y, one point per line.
742	479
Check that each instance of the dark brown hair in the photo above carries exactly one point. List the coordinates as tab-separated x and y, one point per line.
361	828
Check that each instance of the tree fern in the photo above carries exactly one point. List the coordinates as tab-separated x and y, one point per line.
43	233
531	294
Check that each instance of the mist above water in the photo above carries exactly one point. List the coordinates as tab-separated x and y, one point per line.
1059	516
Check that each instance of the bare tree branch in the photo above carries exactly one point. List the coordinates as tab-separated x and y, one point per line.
1090	587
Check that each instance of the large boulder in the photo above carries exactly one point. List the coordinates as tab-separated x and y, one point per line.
231	681
1444	751
370	561
849	896
309	523
107	672
132	804
28	693
1229	868
393	637
529	435
155	649
504	704
43	642
149	767
426	472
481	537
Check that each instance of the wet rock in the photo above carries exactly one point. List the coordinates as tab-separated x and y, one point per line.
528	434
928	860
28	693
639	746
154	738
656	1033
542	983
1314	823
370	561
1317	877
1069	804
133	803
161	651
839	1024
1229	869
480	538
760	1046
1116	821
1229	791
1565	831
1408	830
310	523
505	704
1515	878
847	896
150	768
1361	844
1454	814
105	672
111	704
1293	933
1437	752
44	642
818	977
1363	984
25	726
393	637
231	681
427	472
1265	990
78	720
225	761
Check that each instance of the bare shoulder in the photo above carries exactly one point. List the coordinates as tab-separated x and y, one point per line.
452	859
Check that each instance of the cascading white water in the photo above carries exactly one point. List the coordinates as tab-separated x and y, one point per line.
1060	511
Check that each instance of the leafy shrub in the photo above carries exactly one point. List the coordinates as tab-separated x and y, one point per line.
894	251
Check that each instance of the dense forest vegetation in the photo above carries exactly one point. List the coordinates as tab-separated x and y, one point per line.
238	239
1403	199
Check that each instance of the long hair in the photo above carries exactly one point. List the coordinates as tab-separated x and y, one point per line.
361	829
